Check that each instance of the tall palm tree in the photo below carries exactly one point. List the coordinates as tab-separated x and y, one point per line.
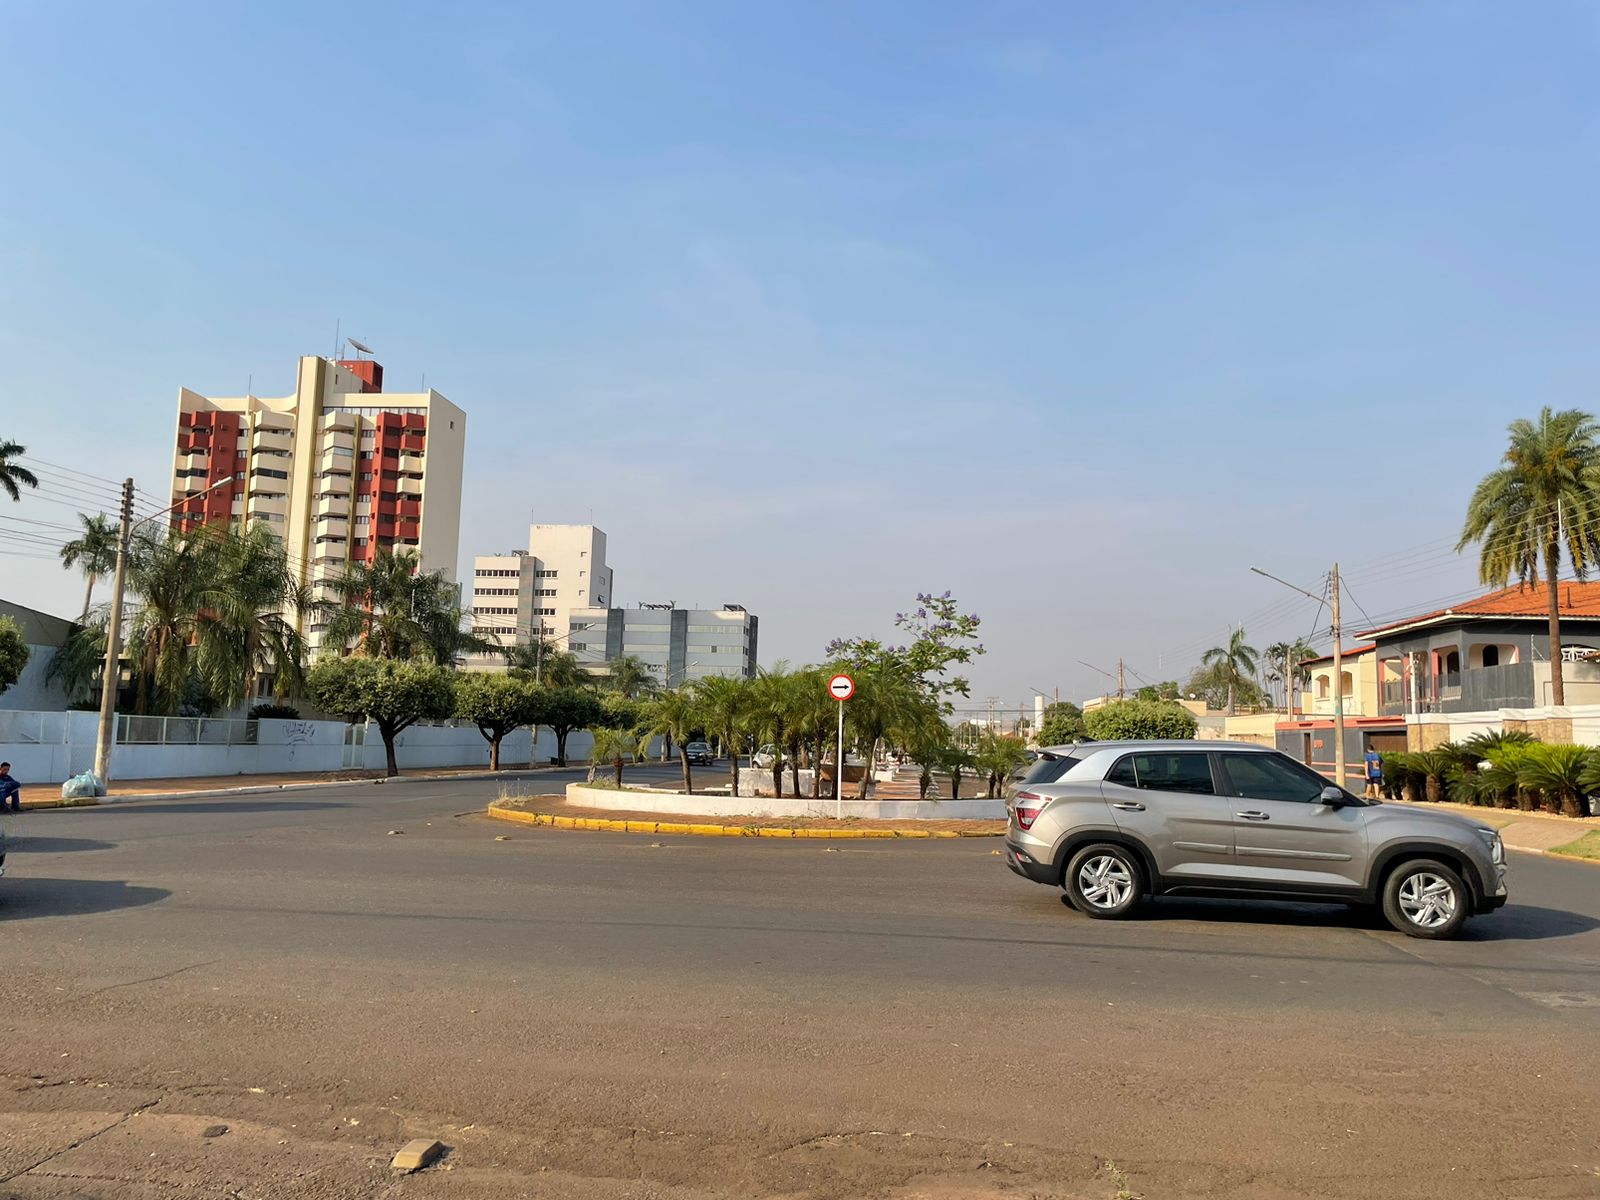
391	608
628	674
1543	500
94	552
676	715
771	714
1283	662
10	473
724	706
1235	662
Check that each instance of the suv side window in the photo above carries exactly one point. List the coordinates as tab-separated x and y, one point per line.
1183	771
1271	777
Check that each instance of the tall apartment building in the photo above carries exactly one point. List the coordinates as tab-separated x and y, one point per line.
520	594
678	644
338	470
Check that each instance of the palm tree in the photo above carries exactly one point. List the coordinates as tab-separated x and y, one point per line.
1290	657
676	715
94	551
545	661
724	706
770	715
1545	499
391	608
10	473
628	674
612	745
258	616
1235	663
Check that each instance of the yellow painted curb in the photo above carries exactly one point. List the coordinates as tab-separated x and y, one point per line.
601	824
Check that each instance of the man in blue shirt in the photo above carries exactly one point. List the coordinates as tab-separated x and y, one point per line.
10	789
1374	762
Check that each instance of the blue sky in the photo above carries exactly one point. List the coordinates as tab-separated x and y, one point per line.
1076	309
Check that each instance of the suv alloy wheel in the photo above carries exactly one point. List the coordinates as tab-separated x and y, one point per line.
1104	881
1426	899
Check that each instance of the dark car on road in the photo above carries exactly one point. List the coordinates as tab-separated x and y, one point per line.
699	752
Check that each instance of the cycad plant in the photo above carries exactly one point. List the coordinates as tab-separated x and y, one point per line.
1501	775
1435	767
612	746
1556	773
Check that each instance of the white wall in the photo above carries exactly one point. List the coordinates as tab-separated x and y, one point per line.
31	692
735	806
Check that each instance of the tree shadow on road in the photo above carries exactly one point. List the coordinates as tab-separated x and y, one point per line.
29	896
1515	922
27	844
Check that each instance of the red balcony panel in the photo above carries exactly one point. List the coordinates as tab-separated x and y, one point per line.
409	508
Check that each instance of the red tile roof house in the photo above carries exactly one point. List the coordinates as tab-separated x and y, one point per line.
1480	656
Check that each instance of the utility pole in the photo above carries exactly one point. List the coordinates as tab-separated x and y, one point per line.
1338	687
1288	680
1122	692
1338	658
109	676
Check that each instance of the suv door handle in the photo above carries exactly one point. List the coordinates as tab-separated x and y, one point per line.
1129	806
1253	815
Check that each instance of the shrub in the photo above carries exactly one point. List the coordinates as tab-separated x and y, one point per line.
1556	773
1125	719
1401	777
1435	767
274	712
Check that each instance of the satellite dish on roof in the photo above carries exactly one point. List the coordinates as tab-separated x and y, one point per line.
363	349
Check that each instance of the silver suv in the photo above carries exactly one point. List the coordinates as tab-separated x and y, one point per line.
1112	822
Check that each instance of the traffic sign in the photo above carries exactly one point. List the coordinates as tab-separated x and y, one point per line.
841	687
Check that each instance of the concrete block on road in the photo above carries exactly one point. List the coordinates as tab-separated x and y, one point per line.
416	1154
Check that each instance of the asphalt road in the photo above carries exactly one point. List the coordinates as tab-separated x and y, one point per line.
600	1015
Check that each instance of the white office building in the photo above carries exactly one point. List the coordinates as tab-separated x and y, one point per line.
521	594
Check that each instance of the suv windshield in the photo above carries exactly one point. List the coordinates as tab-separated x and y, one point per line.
1047	768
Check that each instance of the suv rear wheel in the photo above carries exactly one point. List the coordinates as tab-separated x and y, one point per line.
1426	899
1104	881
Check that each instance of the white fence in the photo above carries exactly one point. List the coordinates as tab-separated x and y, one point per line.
47	747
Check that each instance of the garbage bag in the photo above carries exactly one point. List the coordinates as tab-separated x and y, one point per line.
82	787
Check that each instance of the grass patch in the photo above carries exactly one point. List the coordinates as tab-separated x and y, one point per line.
1588	846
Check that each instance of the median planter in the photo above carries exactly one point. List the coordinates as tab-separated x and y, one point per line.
662	801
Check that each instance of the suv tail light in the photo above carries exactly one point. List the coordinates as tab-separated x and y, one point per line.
1028	806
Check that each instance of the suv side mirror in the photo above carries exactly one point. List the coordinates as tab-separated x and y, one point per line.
1334	797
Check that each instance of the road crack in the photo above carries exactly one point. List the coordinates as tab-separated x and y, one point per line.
110	987
83	1141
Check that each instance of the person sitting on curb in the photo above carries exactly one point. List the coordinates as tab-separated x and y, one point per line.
10	789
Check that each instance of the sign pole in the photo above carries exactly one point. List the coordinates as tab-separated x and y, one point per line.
838	774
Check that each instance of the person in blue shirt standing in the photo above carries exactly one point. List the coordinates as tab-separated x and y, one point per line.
1374	762
10	789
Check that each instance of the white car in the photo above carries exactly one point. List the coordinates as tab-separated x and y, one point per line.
766	758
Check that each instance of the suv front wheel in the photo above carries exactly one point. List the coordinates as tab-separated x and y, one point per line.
1104	881
1426	899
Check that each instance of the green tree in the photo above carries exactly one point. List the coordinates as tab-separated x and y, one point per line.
1559	774
391	608
675	714
1235	662
1544	500
213	609
94	552
998	754
770	715
393	694
497	705
13	653
545	662
1167	689
942	637
1122	720
954	761
724	705
11	473
612	745
1063	723
628	674
565	709
1290	657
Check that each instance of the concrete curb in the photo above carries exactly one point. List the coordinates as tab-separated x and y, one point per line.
264	789
598	824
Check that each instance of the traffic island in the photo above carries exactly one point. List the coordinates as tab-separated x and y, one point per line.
555	813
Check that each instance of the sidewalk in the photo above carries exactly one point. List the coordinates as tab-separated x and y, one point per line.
48	795
1539	832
